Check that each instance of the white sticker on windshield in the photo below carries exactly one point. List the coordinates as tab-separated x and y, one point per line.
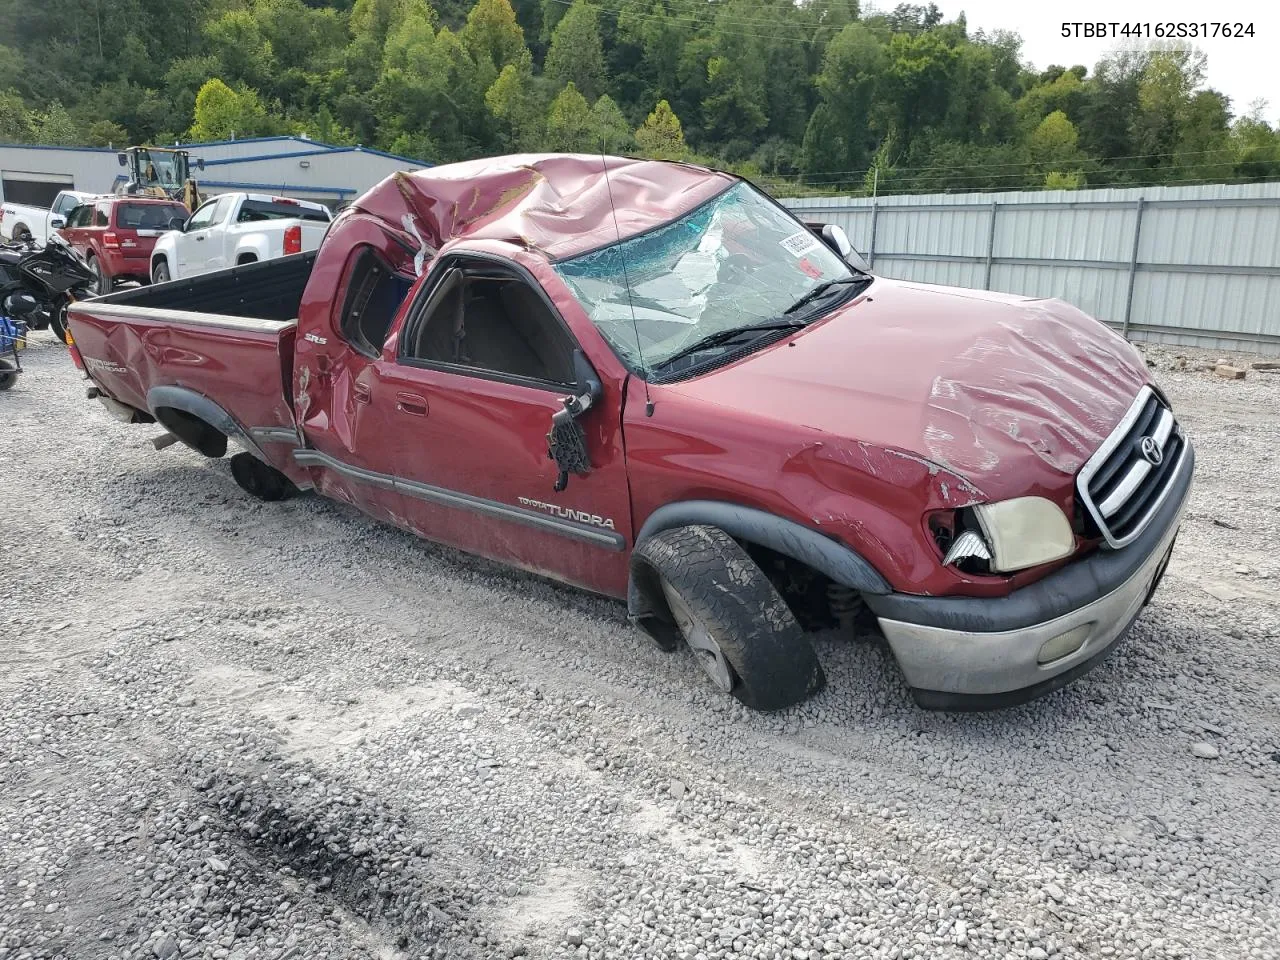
798	244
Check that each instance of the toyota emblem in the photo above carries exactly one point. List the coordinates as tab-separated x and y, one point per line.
1151	451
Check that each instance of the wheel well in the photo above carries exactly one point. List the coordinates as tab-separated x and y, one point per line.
19	229
194	432
246	258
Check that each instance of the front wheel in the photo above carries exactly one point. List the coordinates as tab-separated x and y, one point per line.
58	323
740	630
160	272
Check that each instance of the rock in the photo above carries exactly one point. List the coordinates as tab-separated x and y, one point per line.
216	865
574	936
1270	365
1037	953
1228	372
676	788
1205	751
519	950
1243	570
467	710
167	947
1054	891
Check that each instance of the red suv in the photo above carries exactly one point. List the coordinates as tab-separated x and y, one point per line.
116	235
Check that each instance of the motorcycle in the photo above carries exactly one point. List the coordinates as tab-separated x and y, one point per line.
37	283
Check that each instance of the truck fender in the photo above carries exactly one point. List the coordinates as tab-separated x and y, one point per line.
198	422
257	244
814	549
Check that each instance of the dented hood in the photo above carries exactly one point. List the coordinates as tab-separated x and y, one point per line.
559	205
1011	393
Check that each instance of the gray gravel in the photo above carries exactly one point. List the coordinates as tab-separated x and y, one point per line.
244	730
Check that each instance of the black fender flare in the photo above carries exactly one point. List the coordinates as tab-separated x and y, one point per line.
197	405
808	546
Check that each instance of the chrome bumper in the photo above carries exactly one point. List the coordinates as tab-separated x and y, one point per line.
951	668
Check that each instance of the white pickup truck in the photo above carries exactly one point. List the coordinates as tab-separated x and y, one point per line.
18	220
236	228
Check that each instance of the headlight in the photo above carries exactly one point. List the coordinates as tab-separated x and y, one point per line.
1012	535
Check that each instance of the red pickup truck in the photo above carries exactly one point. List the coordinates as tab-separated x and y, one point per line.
650	380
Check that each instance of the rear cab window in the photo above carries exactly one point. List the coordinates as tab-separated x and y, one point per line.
375	293
254	211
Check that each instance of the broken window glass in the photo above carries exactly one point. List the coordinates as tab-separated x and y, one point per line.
736	260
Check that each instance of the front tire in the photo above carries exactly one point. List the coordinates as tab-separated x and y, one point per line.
160	272
260	480
58	324
738	626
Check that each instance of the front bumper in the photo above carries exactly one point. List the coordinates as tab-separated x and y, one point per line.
964	653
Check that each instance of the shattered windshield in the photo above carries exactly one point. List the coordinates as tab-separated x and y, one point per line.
736	260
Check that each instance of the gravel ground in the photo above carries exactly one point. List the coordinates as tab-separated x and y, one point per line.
245	730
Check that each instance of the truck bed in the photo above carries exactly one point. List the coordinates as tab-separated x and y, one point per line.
225	337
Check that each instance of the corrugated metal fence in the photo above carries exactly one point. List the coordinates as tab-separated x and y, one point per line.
1198	266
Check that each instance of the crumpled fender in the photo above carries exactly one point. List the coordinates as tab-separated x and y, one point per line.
801	543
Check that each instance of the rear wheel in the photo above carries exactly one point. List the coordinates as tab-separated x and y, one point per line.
160	272
101	282
20	232
259	480
739	628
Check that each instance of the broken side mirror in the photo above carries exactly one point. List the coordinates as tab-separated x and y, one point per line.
567	441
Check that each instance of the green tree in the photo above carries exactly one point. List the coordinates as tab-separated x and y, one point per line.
107	133
492	34
55	126
516	106
576	55
661	136
612	131
15	127
569	123
222	113
242	50
841	135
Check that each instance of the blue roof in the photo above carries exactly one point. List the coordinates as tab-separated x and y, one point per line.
326	150
312	148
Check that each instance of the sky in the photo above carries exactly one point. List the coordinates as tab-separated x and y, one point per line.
1245	69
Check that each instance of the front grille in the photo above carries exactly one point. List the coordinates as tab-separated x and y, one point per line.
1123	484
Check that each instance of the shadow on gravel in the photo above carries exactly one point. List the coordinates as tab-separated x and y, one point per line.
346	848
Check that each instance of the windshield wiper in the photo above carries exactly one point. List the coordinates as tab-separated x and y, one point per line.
821	290
724	336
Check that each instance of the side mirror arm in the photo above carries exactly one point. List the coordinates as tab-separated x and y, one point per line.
567	441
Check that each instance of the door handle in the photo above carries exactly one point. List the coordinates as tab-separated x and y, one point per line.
200	237
412	404
361	393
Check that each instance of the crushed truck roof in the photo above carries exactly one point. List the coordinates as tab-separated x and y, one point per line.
560	205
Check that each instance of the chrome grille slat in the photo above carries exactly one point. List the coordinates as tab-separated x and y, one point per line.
1120	486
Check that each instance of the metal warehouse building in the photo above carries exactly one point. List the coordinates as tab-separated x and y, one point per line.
292	166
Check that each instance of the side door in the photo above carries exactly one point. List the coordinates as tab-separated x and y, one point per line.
193	244
467	388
